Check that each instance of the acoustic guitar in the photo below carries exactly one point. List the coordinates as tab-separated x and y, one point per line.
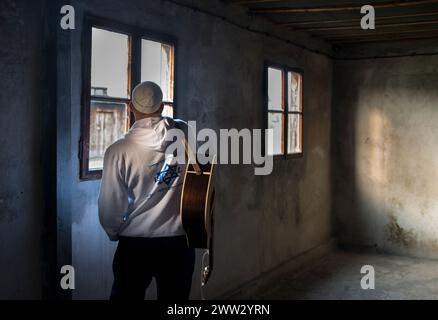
196	209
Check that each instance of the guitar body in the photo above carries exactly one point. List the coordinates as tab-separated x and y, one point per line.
196	210
197	205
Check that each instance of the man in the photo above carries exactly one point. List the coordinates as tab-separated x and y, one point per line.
139	205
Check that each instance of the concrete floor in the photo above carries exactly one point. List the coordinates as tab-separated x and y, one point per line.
337	276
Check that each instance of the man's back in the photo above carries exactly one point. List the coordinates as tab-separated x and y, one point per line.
141	186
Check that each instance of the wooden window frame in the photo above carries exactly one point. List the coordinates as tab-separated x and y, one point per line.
285	112
136	35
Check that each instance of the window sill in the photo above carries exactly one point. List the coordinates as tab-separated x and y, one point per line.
289	156
91	176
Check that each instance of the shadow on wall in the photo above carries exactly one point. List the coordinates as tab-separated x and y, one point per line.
343	151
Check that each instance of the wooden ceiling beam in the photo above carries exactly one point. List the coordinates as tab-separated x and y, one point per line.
251	1
340	21
366	35
341	7
313	22
385	39
387	25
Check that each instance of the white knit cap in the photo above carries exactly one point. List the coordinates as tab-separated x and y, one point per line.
147	97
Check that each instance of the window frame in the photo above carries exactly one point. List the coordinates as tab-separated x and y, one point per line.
285	69
136	35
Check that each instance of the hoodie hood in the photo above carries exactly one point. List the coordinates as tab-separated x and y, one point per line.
151	132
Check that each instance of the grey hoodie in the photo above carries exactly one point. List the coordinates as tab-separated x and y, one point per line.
141	187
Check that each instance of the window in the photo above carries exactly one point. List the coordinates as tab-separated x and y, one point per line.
110	92
157	66
118	58
285	110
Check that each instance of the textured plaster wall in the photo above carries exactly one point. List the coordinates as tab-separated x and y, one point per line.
385	154
21	184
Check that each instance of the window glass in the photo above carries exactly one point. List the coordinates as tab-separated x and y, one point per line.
157	66
110	63
168	111
275	89
294	94
108	123
294	134
275	122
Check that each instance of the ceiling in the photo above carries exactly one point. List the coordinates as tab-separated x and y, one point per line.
338	21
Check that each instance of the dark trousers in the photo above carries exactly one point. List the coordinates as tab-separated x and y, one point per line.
138	260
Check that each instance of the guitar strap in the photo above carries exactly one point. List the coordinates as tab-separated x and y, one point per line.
191	156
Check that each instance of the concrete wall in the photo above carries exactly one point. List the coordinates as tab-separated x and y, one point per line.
22	79
385	154
261	221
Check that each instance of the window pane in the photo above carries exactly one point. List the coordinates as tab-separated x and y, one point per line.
294	133
275	122
275	89
294	95
110	63
168	111
108	123
157	66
